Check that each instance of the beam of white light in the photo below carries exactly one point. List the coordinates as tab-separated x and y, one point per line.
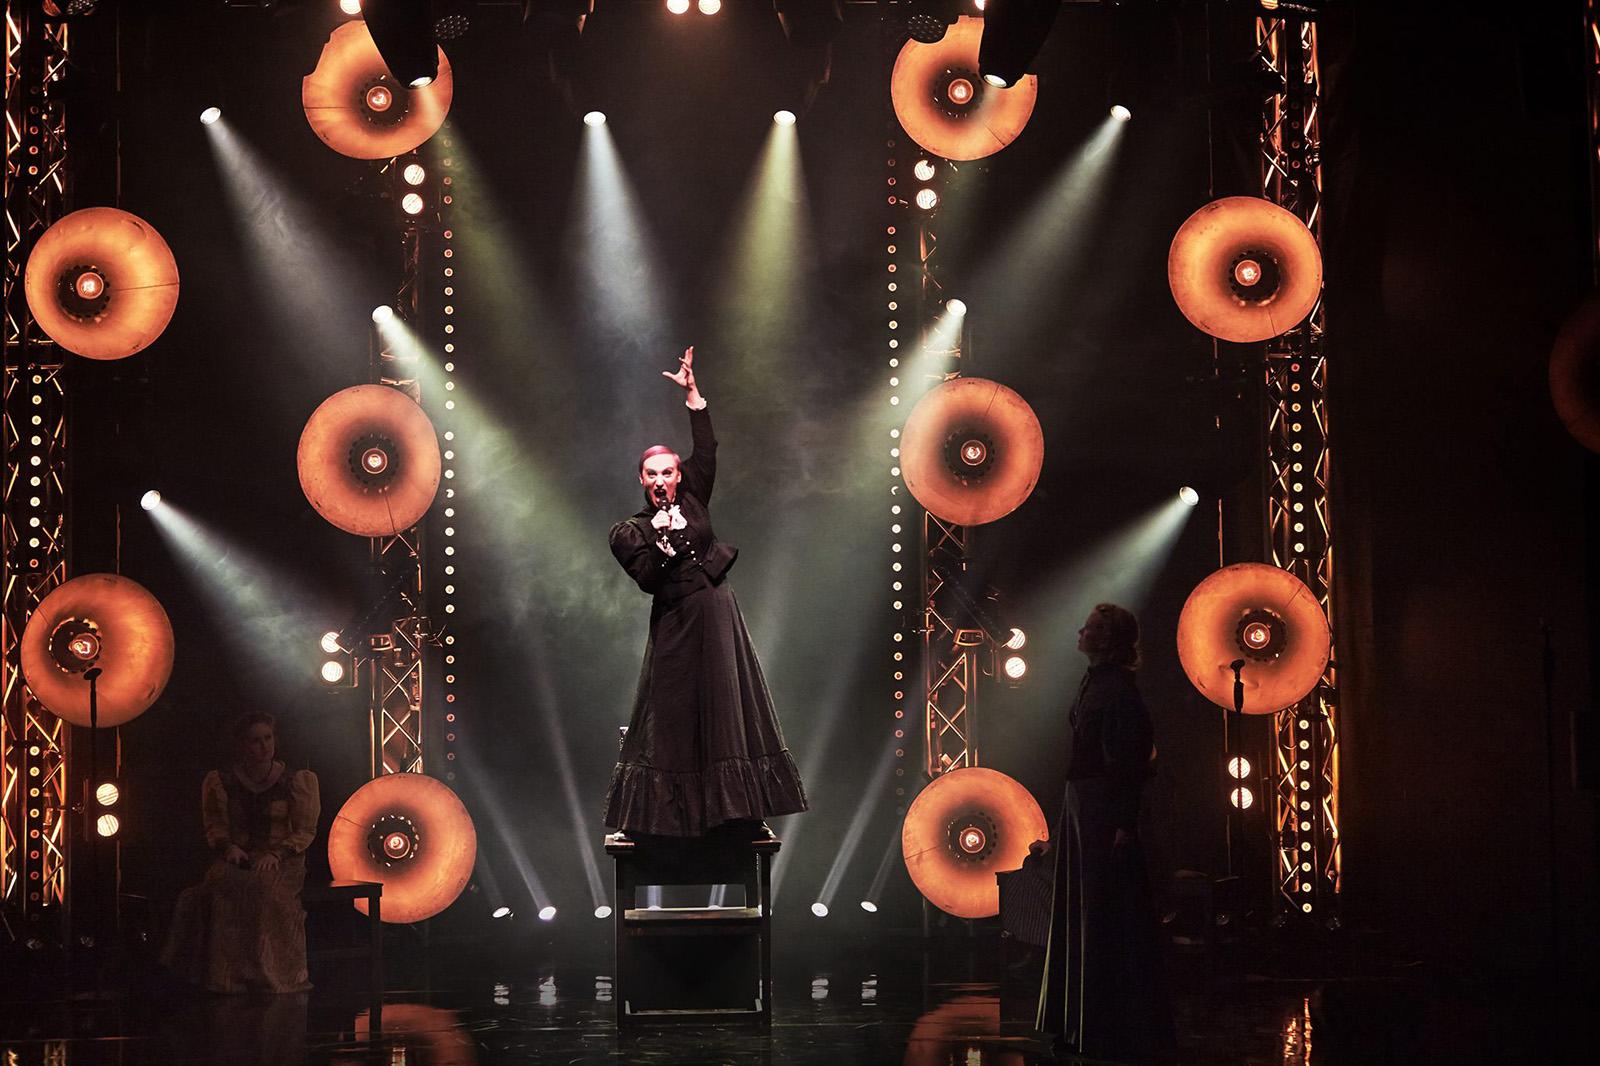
578	811
1032	262
866	806
762	297
620	286
512	836
880	878
1120	569
306	277
272	619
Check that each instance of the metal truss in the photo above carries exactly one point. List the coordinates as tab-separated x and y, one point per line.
1591	35
395	702
951	663
34	802
1305	763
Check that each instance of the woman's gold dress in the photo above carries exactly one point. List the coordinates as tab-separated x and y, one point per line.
244	930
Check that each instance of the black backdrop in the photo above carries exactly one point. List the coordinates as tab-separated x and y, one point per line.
1460	507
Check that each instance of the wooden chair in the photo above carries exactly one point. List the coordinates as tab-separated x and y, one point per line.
693	964
344	893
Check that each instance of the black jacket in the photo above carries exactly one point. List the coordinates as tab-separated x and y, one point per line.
701	558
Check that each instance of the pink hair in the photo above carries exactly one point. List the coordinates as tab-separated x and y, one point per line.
654	450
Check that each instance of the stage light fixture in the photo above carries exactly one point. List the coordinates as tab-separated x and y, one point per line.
411	203
924	170
820	909
149	500
547	914
956	307
330	642
677	7
1120	113
107	794
210	115
595	118
501	912
403	32
1013	33
1017	641
1188	495
709	7
1239	767
108	825
602	911
1242	798
350	7
927	199
414	174
869	906
783	118
1015	667
332	672
382	313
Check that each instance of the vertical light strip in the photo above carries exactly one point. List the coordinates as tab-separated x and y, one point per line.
447	426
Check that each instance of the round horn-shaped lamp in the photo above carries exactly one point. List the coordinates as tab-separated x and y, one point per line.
945	105
1243	269
411	833
1575	375
359	109
105	621
962	829
1264	616
369	461
102	283
971	451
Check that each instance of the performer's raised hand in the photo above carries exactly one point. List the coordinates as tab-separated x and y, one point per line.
684	378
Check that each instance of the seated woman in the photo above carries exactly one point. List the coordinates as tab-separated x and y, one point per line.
242	929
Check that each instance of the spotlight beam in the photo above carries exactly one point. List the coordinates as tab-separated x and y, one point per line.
877	784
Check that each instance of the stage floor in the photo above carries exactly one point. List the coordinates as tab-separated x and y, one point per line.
945	1001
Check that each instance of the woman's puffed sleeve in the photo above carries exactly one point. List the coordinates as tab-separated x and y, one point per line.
305	807
700	469
214	811
643	562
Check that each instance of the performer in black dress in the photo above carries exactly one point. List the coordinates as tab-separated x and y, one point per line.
703	748
1104	990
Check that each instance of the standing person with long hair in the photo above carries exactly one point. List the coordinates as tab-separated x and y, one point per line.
1104	990
242	929
703	748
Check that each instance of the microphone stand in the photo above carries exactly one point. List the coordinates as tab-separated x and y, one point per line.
1230	730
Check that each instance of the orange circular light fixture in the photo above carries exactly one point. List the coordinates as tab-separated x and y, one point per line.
962	829
369	461
102	283
946	107
358	108
105	621
1243	269
1575	375
971	451
411	833
1265	617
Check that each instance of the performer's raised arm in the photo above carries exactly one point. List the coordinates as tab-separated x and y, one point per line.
700	468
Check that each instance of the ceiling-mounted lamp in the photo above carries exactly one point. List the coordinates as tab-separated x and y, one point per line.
1013	33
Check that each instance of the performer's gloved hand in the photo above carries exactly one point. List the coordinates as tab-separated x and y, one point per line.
661	523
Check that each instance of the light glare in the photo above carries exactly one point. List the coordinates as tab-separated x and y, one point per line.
501	912
350	7
332	672
820	909
927	199
956	307
411	203
1015	667
869	906
330	642
414	174
602	911
149	500
1188	496
710	7
1018	639
546	913
210	115
107	825
595	118
1120	113
107	794
677	7
783	118
996	80
382	313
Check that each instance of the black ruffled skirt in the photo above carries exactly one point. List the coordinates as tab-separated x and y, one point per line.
703	745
